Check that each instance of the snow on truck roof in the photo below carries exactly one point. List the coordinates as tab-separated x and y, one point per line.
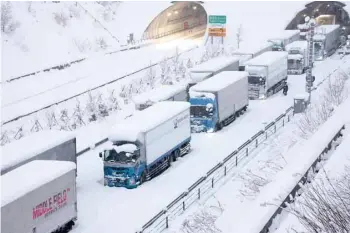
266	58
142	121
219	81
163	93
32	145
251	48
214	64
31	176
297	44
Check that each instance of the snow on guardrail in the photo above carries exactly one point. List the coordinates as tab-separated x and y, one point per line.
203	186
283	189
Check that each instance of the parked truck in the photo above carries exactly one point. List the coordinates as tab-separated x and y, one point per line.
39	197
326	41
267	74
217	101
284	38
212	67
46	145
298	57
145	144
246	53
177	92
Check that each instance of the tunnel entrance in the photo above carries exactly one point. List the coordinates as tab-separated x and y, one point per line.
325	13
182	20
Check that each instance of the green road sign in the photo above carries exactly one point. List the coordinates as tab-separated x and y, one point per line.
217	19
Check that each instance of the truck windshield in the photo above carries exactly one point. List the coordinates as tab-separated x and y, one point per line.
121	156
256	80
293	64
318	49
201	111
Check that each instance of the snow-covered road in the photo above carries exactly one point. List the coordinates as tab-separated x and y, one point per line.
132	208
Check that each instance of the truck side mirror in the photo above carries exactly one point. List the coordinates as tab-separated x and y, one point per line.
100	154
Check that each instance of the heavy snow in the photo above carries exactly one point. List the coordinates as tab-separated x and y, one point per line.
31	176
32	145
214	65
266	59
143	121
207	149
220	81
273	194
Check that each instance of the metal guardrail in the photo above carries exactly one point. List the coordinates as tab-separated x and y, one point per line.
205	184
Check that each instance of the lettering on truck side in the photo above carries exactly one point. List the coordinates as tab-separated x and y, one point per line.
177	121
51	204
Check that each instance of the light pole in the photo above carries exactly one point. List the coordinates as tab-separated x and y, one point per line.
309	77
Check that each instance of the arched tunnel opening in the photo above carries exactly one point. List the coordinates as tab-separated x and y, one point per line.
182	20
325	13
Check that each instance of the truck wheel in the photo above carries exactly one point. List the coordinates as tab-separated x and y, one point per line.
218	127
143	178
176	154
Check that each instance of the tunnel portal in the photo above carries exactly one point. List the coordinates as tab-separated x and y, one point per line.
181	20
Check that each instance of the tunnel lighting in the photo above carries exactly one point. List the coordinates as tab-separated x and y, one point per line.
169	14
194	7
176	12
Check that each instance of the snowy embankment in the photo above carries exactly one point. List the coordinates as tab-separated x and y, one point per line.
330	174
275	193
73	30
261	171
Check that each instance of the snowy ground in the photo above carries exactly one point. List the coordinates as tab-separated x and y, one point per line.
237	194
207	148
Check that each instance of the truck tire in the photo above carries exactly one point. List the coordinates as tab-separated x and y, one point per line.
143	178
175	155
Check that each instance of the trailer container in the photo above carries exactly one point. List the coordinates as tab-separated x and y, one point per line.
177	92
39	197
284	38
145	144
326	41
217	101
248	52
46	145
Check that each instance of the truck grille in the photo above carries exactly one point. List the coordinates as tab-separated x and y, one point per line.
253	91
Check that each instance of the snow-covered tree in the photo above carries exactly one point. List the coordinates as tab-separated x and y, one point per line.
91	107
64	120
113	103
239	33
189	63
78	116
51	120
102	106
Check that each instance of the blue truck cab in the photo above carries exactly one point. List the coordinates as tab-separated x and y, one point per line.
204	115
145	144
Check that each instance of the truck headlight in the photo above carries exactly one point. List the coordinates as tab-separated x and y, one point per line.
132	180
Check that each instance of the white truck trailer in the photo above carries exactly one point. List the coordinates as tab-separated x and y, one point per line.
146	143
217	101
283	38
177	92
213	67
46	145
326	41
39	197
267	74
250	51
298	57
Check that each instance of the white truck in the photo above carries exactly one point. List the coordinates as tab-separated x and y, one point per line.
217	101
143	145
213	67
267	74
250	51
326	41
283	38
47	145
177	92
39	197
298	57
